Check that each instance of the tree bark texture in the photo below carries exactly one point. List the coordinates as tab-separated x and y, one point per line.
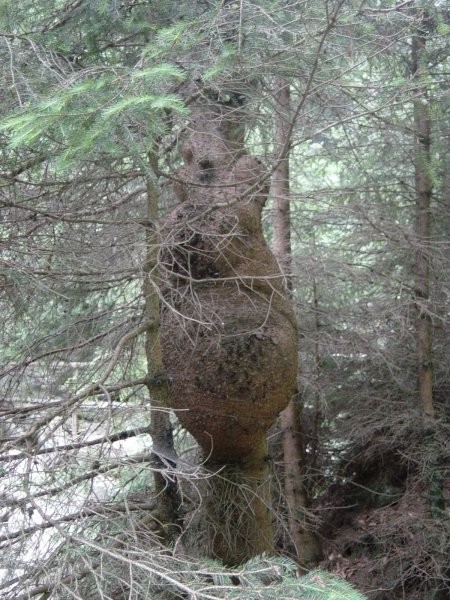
229	335
306	545
424	187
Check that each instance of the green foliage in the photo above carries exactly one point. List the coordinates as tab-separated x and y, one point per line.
225	62
262	578
94	115
176	38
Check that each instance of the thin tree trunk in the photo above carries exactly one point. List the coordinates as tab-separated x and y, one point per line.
317	375
424	187
166	487
280	184
305	542
424	327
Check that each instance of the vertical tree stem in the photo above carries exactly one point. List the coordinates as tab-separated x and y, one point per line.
424	188
305	542
166	488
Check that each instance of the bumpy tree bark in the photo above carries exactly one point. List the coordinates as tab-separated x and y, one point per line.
229	334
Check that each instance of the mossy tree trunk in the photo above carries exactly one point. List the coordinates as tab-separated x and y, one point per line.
229	336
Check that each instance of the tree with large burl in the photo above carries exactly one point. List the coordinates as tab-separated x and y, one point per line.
228	330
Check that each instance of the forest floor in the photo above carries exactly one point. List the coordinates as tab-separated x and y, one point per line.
387	552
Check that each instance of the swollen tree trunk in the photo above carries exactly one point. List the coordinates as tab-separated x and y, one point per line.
423	185
229	336
305	542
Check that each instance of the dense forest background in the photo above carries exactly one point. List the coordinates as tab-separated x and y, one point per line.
345	105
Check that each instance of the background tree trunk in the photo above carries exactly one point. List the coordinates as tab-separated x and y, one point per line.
434	470
306	544
166	488
424	187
